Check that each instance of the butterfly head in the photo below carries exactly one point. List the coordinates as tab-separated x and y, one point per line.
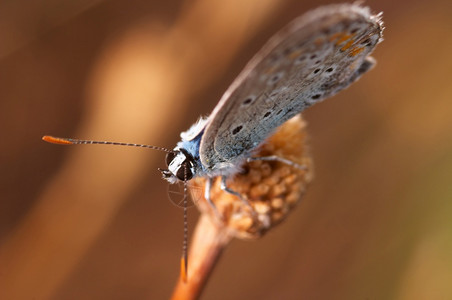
181	166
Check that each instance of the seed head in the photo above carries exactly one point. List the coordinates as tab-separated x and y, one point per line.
272	188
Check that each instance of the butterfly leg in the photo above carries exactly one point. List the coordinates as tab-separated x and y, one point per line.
279	159
207	190
225	188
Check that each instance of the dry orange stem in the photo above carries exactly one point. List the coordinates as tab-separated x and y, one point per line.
208	242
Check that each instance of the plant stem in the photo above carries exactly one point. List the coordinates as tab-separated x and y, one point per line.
208	242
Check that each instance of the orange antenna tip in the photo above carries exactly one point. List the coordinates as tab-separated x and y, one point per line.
183	269
56	140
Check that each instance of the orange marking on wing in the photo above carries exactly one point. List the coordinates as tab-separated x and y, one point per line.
56	140
355	51
336	35
348	45
294	54
344	37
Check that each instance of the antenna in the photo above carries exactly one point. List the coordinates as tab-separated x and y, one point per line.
67	141
184	260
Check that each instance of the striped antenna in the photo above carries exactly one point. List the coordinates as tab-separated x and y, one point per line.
184	260
66	141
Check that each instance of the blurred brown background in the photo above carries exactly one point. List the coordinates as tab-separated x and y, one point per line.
90	222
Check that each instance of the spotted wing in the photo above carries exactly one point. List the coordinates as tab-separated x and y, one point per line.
313	58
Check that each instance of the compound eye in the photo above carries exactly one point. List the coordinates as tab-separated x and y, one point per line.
169	157
184	172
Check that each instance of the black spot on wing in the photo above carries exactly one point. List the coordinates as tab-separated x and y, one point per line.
237	129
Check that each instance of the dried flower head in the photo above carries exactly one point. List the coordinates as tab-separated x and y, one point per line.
272	188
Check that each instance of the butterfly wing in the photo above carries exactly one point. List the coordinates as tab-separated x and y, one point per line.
314	57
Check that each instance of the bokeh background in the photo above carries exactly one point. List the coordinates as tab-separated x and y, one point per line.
95	222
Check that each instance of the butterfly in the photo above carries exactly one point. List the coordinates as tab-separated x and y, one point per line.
311	59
